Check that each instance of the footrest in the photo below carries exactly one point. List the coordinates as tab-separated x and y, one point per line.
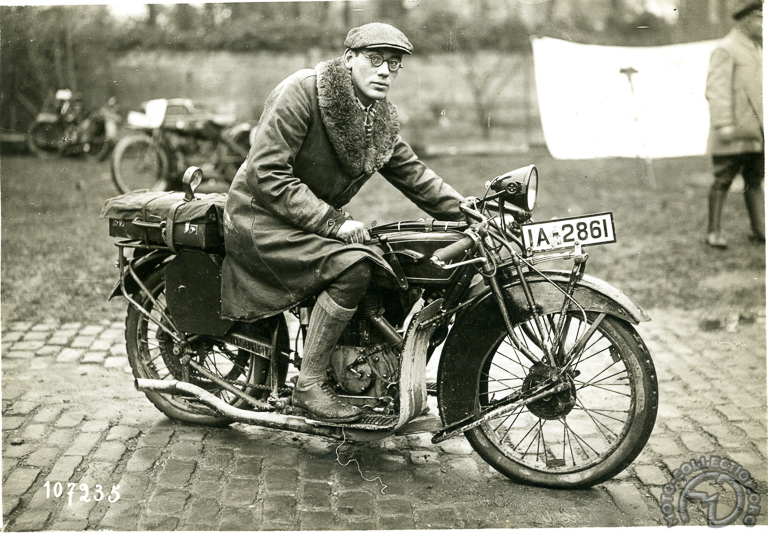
373	422
431	388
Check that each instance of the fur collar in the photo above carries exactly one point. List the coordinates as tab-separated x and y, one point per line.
344	121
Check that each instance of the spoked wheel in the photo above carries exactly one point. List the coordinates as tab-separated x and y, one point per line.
99	148
45	139
154	354
586	433
138	163
99	142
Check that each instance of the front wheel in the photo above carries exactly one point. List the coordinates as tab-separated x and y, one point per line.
45	139
139	163
588	432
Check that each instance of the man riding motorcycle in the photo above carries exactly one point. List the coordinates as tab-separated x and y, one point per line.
324	132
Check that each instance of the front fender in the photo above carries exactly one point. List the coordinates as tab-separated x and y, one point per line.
474	330
142	266
592	293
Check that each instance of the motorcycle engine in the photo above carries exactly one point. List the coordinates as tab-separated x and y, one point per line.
194	148
366	371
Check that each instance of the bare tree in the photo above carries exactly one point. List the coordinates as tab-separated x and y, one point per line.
486	81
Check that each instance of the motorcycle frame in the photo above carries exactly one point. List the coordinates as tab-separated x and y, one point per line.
227	150
70	129
464	299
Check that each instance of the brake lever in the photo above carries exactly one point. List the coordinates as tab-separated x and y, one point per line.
472	213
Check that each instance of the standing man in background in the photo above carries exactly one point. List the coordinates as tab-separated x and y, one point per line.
736	137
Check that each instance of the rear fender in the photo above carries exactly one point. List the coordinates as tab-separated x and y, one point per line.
473	333
143	267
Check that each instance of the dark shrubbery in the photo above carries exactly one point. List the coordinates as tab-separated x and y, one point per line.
49	47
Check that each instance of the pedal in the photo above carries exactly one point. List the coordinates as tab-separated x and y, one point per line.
431	389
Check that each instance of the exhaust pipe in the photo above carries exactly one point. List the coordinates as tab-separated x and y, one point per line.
257	418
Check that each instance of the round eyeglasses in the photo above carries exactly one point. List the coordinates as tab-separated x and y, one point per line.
377	60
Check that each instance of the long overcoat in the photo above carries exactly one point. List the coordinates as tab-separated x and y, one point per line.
735	94
310	156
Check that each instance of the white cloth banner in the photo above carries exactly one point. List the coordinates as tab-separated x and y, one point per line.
614	101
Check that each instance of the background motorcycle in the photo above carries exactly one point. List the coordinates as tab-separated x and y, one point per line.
67	127
172	134
542	371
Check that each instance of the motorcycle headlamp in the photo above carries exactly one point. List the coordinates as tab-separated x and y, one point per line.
521	186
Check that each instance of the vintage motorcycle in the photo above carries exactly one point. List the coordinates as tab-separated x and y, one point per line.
541	370
172	134
67	127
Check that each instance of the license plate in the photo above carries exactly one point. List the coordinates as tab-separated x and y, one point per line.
565	232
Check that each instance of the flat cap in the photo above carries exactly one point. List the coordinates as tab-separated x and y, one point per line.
739	8
378	35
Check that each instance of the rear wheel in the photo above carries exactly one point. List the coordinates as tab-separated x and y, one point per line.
153	354
583	435
99	142
139	163
45	139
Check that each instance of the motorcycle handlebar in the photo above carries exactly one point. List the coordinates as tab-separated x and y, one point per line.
521	215
465	208
457	250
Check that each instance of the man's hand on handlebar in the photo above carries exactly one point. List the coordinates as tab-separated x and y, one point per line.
353	231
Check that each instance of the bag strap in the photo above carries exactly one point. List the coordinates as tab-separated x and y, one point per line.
169	225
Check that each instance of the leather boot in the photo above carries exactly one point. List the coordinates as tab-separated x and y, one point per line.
755	200
716	202
312	393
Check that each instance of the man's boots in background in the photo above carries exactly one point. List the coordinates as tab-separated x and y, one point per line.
717	199
755	200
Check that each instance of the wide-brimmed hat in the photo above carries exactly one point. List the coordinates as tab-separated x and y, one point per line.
378	35
739	8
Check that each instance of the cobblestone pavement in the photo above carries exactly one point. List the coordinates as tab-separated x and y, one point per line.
71	415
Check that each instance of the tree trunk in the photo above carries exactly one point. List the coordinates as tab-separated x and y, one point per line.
154	10
61	79
71	71
477	85
483	120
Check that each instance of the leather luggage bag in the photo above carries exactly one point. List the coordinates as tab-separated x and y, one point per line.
166	219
